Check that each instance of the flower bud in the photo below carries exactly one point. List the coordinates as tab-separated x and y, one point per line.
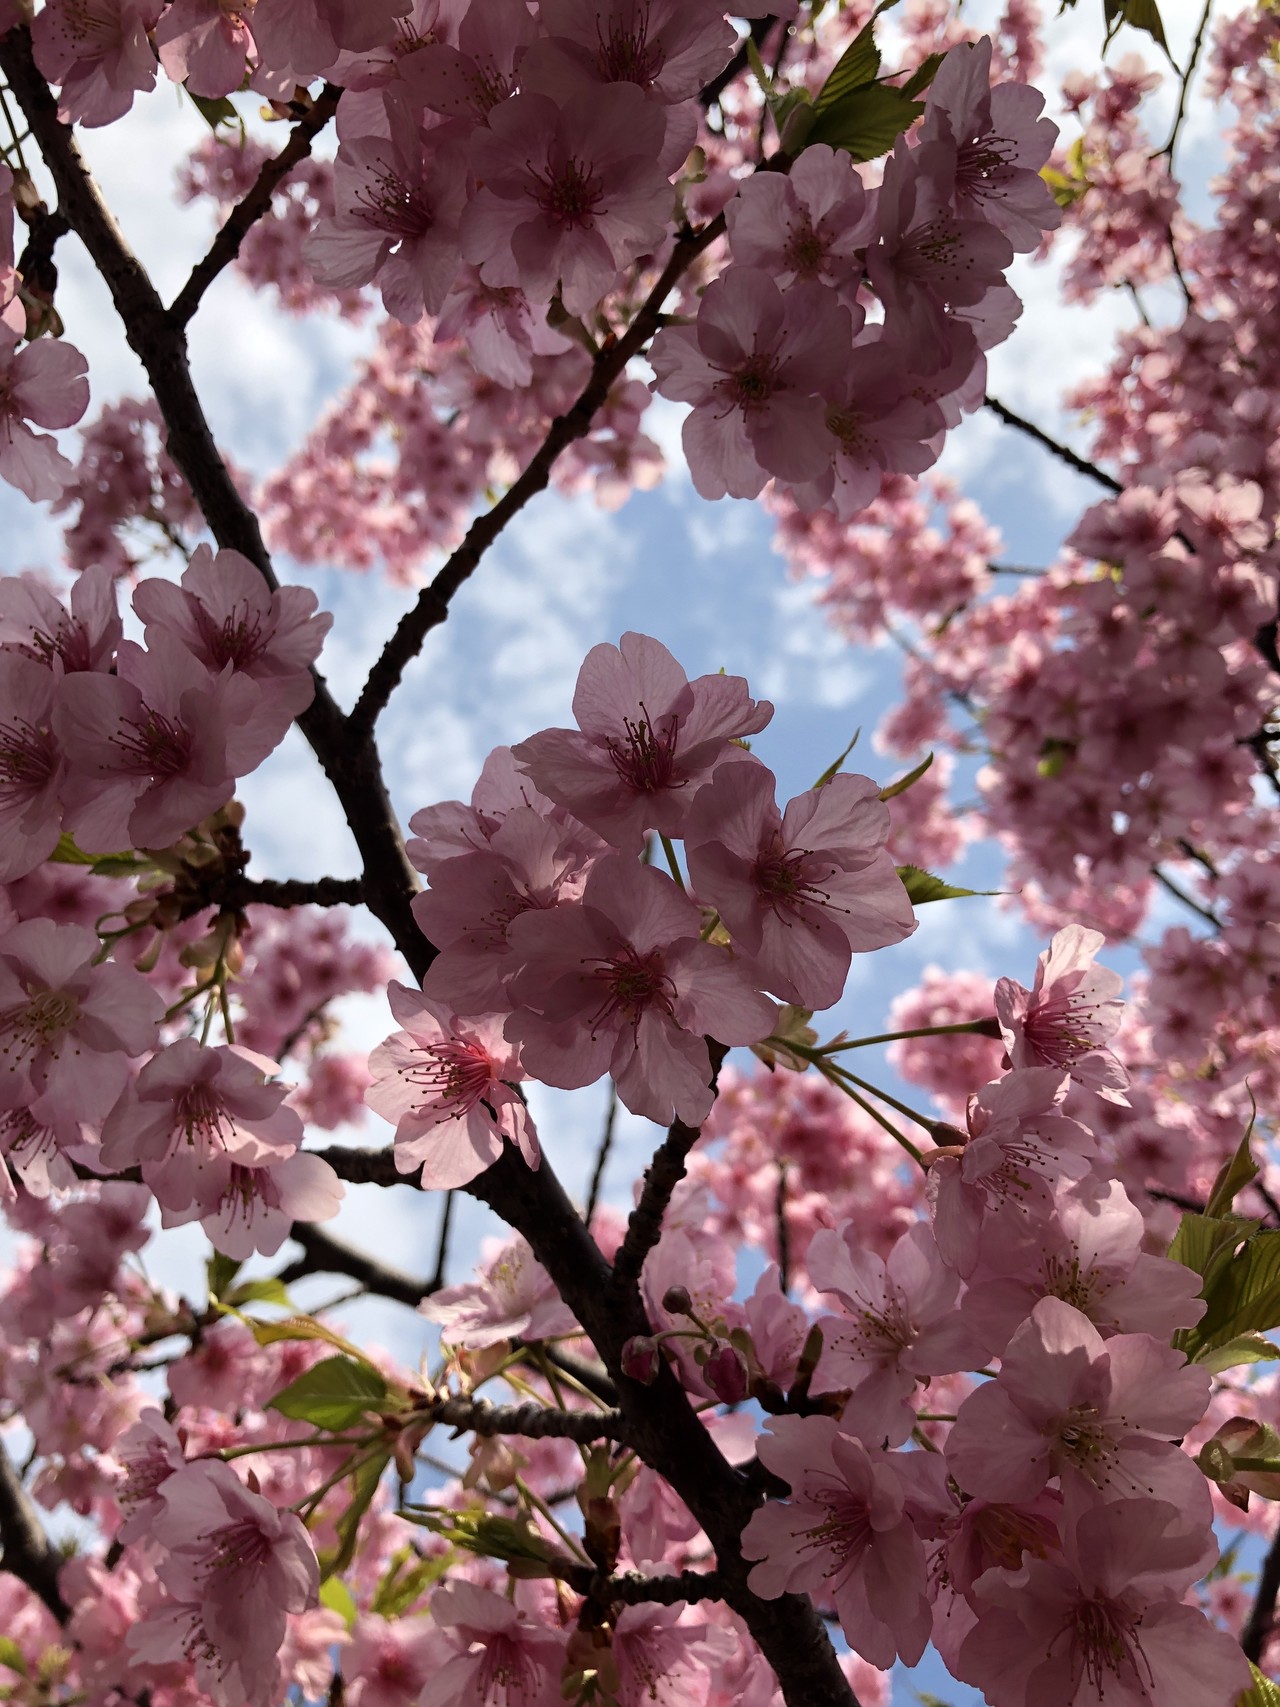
725	1372
676	1301
640	1359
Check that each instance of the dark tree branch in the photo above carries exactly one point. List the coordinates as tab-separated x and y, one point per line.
26	1552
633	1588
323	1254
1064	453
532	1420
1262	1614
602	1154
1179	894
245	214
432	606
661	1177
235	892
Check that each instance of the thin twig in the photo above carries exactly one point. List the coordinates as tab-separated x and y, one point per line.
432	606
1064	453
661	1177
1166	882
784	1236
602	1154
442	1244
1183	92
323	1254
246	213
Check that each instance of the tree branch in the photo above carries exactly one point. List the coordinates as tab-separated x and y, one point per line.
245	214
532	1420
633	1588
661	1177
1258	1625
432	605
1064	453
26	1552
602	1154
323	1254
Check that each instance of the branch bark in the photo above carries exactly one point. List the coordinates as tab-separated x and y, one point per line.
1262	1614
26	1552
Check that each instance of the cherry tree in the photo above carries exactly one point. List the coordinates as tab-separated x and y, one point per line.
842	1379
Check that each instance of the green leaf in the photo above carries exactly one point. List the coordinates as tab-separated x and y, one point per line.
1247	1348
835	767
334	1394
508	1538
119	865
1142	15
270	1290
1264	1693
214	110
304	1328
364	1485
923	76
67	853
922	886
221	1271
905	782
857	66
407	1579
335	1594
11	1655
1235	1173
1242	1296
867	122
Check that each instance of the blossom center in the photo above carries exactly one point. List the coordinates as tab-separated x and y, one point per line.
157	746
753	382
629	57
806	249
1108	1639
635	983
645	759
452	1073
26	756
569	196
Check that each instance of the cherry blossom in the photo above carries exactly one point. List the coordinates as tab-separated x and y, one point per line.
1068	1016
42	382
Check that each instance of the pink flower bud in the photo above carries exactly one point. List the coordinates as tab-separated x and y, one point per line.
640	1359
676	1301
725	1372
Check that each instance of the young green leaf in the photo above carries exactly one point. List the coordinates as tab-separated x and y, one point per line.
922	76
905	782
220	1272
834	768
1248	1348
867	122
922	886
11	1656
1235	1173
335	1594
364	1485
1264	1693
334	1394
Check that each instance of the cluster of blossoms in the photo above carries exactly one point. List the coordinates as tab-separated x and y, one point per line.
563	956
119	745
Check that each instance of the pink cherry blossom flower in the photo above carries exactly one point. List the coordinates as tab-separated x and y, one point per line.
928	258
1068	1016
451	828
647	739
1088	1253
757	367
530	862
665	1657
500	327
1019	1146
448	1085
245	1206
40	627
513	1297
497	1657
570	195
398	201
157	747
388	1664
42	382
31	768
99	51
466	82
800	891
1096	1412
234	1567
1105	1622
204	44
68	1026
203	1102
878	424
223	612
901	1327
149	1453
43	1157
621	983
1001	144
845	1534
307	36
806	224
669	48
